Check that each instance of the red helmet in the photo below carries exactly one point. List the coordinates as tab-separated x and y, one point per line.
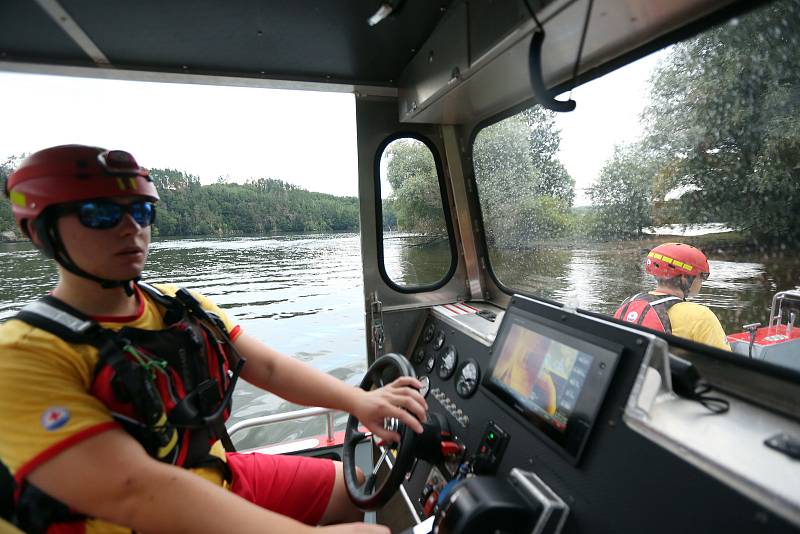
676	259
70	173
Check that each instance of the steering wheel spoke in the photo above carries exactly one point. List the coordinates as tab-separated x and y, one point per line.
380	461
386	475
369	484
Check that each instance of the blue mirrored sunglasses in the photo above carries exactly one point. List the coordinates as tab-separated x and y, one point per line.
104	214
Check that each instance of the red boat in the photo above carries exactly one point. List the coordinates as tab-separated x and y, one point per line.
779	341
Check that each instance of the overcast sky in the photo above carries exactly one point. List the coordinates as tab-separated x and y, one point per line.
305	138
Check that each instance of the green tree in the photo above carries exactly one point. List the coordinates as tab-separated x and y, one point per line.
188	208
389	215
623	193
724	113
416	197
259	206
8	228
525	191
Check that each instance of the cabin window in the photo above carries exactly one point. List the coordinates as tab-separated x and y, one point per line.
416	244
698	143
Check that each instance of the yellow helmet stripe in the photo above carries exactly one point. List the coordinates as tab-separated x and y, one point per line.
670	261
17	198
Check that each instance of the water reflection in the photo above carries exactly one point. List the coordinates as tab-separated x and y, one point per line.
598	277
415	260
303	295
26	275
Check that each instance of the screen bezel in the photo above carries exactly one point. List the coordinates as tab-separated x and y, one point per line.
606	355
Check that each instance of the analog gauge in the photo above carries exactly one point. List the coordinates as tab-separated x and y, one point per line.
429	331
419	355
438	342
447	362
430	363
469	374
426	385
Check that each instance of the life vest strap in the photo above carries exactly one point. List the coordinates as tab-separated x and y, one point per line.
665	299
60	319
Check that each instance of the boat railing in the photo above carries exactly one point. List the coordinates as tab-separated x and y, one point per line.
286	416
776	311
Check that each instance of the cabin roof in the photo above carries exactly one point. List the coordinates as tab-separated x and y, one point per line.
302	40
442	59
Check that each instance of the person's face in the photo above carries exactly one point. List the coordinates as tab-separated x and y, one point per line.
117	253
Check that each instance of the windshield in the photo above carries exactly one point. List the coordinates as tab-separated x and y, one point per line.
692	150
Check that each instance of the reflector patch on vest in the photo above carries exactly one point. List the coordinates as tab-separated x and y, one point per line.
54	418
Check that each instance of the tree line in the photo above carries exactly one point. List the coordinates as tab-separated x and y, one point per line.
189	208
722	135
721	143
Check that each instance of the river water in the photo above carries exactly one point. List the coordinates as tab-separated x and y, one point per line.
303	295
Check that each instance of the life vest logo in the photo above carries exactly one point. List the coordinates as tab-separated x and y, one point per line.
632	316
54	418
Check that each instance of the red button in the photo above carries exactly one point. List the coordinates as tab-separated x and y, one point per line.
451	448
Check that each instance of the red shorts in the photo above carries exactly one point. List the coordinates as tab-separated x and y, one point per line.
295	486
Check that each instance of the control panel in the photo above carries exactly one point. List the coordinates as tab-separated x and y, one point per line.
451	407
533	436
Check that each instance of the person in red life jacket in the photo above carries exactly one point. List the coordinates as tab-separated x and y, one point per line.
680	271
113	393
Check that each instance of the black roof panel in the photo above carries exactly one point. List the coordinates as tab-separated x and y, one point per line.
314	40
29	34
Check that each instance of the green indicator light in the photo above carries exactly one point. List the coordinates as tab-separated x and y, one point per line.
491	435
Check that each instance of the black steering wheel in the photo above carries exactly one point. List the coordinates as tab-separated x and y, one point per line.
376	491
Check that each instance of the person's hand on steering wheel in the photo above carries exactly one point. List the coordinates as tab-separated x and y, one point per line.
399	399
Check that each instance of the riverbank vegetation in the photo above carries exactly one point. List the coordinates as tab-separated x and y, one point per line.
720	143
188	208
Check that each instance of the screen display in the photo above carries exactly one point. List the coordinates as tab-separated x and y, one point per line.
554	374
544	375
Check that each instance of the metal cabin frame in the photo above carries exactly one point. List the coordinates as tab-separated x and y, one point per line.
438	70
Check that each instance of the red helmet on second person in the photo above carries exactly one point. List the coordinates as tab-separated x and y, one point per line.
71	173
676	259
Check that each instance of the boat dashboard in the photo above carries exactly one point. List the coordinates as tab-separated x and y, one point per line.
552	420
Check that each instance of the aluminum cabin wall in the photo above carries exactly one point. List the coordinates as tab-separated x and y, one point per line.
377	120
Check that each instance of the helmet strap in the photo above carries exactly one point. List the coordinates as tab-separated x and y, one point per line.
685	285
52	247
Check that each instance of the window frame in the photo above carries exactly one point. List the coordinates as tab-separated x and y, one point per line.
683	33
445	209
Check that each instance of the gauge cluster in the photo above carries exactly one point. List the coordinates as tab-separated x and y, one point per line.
447	364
